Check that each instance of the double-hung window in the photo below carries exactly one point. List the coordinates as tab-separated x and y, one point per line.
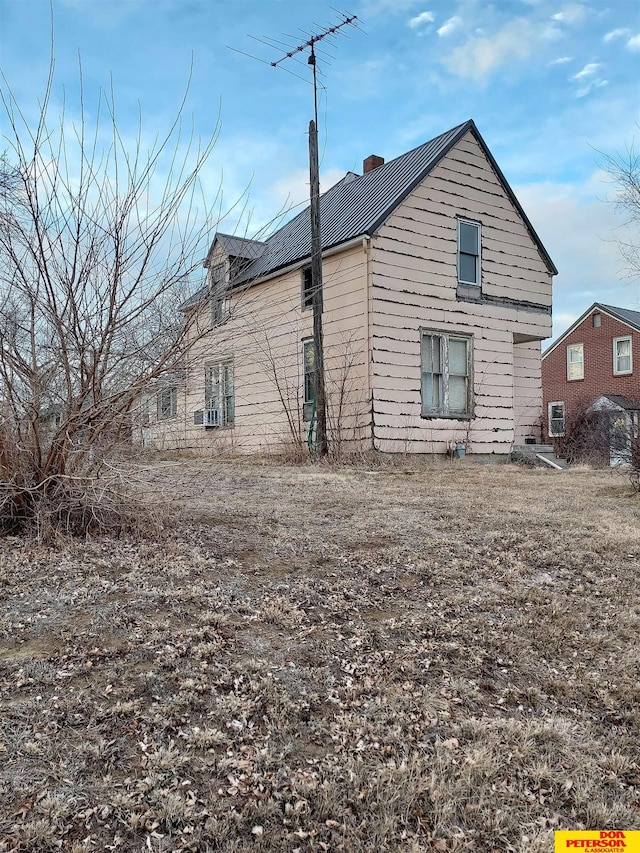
556	416
219	394
469	271
167	403
308	377
447	388
622	356
575	361
219	300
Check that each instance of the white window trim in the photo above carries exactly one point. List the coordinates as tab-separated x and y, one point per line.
305	343
549	418
444	411
569	377
172	408
303	293
617	372
478	282
221	407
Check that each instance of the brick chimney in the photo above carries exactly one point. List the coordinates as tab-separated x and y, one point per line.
372	162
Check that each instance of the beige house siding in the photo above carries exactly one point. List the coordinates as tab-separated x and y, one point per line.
414	285
263	335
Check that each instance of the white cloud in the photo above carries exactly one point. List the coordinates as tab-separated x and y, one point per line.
480	56
588	71
450	26
561	60
419	20
634	43
621	32
572	13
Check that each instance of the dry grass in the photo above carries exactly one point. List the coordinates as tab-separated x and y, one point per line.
440	657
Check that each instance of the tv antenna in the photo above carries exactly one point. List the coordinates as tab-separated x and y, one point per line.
320	405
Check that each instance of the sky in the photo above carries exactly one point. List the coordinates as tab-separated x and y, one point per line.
553	86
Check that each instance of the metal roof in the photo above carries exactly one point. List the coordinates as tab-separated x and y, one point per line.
358	205
624	314
623	402
240	247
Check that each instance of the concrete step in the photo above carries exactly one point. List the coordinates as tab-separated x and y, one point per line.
533	448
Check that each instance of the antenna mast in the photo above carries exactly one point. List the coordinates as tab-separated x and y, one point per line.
322	443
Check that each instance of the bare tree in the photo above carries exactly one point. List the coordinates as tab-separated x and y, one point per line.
98	241
624	171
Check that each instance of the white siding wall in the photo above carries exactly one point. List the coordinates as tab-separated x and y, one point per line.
263	334
413	285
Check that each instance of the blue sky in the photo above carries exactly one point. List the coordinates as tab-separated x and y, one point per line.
549	84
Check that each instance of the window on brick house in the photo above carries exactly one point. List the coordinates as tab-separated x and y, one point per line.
556	419
622	356
575	361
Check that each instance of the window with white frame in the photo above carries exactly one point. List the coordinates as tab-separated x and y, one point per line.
167	403
307	288
308	377
218	289
469	271
622	356
575	361
556	417
446	387
219	394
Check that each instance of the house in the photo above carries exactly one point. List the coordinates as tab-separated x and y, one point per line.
437	295
590	368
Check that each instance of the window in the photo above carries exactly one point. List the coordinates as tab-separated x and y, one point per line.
308	378
219	302
167	403
469	253
219	397
597	321
556	419
446	375
219	308
575	361
307	288
622	356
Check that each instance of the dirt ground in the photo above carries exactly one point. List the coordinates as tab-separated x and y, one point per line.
409	657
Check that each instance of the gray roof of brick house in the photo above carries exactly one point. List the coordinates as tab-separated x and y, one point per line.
624	314
622	402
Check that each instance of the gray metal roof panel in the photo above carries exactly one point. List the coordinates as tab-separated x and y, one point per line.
354	206
624	314
241	247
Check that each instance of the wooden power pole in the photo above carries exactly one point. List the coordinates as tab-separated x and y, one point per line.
322	441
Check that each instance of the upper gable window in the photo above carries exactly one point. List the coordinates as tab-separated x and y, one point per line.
469	272
218	289
307	288
575	361
622	356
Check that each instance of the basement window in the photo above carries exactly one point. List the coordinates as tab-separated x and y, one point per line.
446	386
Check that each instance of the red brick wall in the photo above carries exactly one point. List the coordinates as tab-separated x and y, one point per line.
598	367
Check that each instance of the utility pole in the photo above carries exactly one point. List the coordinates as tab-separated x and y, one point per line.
322	442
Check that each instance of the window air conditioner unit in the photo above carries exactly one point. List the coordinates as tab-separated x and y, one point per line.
211	418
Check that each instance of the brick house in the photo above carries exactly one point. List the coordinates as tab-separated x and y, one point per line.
599	355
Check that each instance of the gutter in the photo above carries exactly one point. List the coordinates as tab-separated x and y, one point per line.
295	265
